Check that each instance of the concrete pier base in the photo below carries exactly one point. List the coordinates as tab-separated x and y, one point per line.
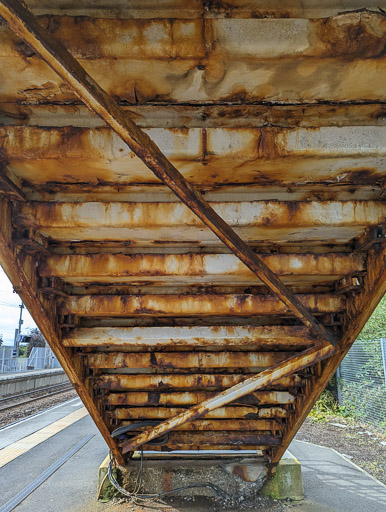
287	482
242	479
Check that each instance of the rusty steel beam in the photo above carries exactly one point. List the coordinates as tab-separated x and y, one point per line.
228	412
212	266
265	378
173	57
257	449
180	382
229	438
181	10
156	215
25	24
180	360
189	38
190	305
193	398
175	115
218	425
274	337
337	147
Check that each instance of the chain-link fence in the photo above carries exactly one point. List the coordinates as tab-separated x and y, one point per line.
41	358
362	382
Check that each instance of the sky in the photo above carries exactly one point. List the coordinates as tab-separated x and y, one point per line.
10	311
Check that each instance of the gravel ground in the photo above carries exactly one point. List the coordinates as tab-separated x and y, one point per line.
25	410
360	443
193	505
260	505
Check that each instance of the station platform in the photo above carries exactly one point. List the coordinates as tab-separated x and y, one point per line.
33	445
20	382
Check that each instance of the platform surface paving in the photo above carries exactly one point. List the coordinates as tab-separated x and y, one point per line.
332	484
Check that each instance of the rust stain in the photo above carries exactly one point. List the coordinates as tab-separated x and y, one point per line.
241	471
354	35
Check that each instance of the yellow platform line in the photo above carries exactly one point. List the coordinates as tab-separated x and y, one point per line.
16	449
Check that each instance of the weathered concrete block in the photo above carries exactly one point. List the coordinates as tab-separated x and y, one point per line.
105	490
287	482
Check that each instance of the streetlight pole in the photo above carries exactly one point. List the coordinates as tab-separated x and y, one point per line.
15	351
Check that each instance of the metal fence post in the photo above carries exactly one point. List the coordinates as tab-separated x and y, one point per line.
383	349
338	386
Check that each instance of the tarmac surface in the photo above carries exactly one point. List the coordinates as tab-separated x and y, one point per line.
331	482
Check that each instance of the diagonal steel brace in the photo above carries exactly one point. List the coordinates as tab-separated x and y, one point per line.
265	378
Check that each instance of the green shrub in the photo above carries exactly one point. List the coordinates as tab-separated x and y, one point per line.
326	406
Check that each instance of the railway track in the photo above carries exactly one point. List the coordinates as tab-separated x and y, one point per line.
6	403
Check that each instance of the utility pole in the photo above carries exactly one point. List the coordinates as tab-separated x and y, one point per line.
15	351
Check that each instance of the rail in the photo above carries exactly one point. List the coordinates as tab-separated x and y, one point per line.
63	389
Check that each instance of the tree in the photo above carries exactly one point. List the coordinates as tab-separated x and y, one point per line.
1	339
37	340
23	349
375	327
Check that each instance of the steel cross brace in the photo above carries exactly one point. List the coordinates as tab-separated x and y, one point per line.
265	378
26	25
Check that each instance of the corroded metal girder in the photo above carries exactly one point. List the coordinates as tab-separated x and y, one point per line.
9	187
212	266
192	398
231	424
224	47
190	38
228	411
182	381
223	438
192	337
195	116
286	368
181	360
190	305
22	21
272	214
147	223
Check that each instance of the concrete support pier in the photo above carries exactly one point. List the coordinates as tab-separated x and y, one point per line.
241	478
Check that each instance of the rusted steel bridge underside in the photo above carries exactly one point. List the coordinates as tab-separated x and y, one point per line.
192	206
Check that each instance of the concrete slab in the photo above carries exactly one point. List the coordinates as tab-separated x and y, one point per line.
12	433
333	481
